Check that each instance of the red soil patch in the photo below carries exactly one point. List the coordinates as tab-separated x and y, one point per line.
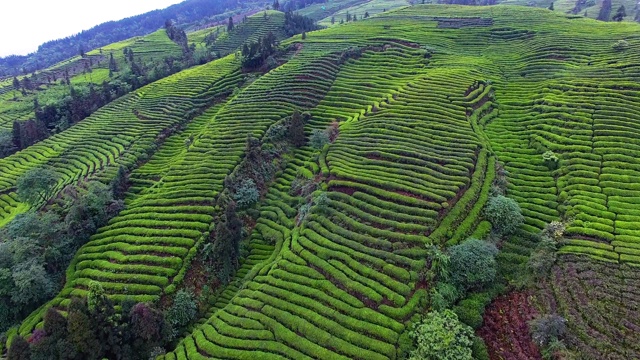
505	329
343	189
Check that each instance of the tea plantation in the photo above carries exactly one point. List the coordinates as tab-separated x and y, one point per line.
416	121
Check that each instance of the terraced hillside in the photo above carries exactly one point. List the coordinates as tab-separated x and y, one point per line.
429	99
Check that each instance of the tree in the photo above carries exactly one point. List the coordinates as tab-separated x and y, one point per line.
472	264
247	193
441	336
16	86
551	6
276	5
81	331
547	328
333	20
226	248
113	66
55	325
230	24
36	185
620	14
119	184
16	135
542	258
32	283
366	14
504	214
146	322
19	349
6	143
183	310
296	130
319	138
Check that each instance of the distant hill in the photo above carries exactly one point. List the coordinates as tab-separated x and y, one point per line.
186	12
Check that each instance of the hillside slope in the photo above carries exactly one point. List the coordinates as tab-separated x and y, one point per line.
428	100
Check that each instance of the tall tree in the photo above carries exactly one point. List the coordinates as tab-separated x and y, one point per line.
227	240
19	349
36	185
620	14
230	24
16	87
296	130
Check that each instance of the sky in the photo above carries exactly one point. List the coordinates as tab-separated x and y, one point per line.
26	24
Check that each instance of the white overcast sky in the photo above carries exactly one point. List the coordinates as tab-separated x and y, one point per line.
25	24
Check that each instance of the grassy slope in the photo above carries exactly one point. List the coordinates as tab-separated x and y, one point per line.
361	312
415	153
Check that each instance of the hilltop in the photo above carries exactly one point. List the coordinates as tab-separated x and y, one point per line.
340	193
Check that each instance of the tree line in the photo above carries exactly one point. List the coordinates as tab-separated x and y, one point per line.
55	51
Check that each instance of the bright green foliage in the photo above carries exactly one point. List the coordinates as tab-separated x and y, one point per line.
441	336
36	185
473	264
504	214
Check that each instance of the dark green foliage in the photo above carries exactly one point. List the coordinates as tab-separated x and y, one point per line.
620	14
19	349
119	184
146	322
473	265
471	310
296	130
181	313
247	193
297	24
542	258
547	328
55	325
230	23
91	211
7	147
226	248
443	296
319	138
35	185
81	330
479	349
551	6
31	282
441	336
255	53
504	214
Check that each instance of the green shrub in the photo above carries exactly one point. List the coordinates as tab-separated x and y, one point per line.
479	349
319	138
182	312
441	336
247	193
547	328
621	45
504	214
473	264
471	310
